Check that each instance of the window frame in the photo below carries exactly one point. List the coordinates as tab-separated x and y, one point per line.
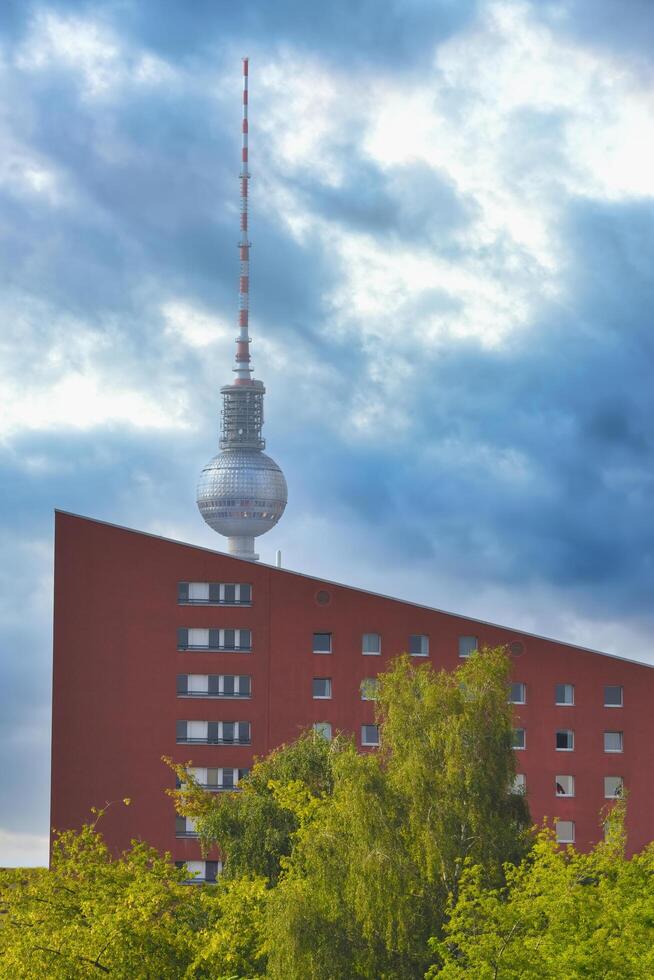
321	697
614	687
519	748
620	787
564	796
371	681
565	840
371	653
614	751
422	637
564	704
567	731
369	745
468	636
523	686
324	653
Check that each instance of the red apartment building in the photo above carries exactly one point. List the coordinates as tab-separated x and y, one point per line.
164	648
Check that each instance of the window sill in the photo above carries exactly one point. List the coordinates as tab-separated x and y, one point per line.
214	697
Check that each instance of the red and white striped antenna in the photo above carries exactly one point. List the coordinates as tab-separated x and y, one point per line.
242	367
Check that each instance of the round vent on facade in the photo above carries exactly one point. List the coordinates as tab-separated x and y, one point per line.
323	598
517	648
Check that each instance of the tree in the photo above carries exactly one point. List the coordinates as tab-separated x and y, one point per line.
92	915
372	866
560	914
251	828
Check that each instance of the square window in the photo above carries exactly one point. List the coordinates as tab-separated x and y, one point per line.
322	687
564	694
418	645
369	689
564	785
467	645
518	693
565	740
322	642
371	644
612	697
520	783
370	734
565	832
519	738
323	728
612	787
613	741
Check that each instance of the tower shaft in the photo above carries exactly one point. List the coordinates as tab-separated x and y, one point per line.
242	367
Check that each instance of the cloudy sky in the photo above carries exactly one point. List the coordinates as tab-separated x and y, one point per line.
452	292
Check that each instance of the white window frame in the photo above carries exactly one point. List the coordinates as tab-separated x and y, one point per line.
619	787
469	652
523	687
520	748
519	783
372	745
557	782
621	689
424	644
323	653
371	653
614	751
324	729
322	697
565	704
565	840
569	731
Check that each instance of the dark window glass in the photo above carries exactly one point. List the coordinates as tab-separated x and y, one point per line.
246	593
180	864
242	773
181	729
564	740
214	681
322	642
228	731
214	639
180	825
228	684
369	735
322	687
564	694
211	871
182	638
613	697
518	693
245	686
230	593
182	591
182	683
245	640
214	592
228	778
212	731
229	639
244	731
418	645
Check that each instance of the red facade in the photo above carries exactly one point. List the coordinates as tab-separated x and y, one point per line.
116	666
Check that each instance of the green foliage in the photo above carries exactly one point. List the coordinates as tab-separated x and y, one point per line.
560	914
128	917
372	867
251	827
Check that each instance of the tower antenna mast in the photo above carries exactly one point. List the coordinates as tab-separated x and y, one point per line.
242	492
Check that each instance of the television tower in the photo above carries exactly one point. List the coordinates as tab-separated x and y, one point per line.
242	492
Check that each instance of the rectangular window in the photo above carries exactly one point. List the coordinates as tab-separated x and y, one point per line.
418	645
322	687
214	732
613	741
200	871
213	685
323	728
369	687
565	832
612	787
564	694
565	740
185	827
322	642
564	785
612	697
467	645
519	738
371	644
182	683
198	684
231	640
520	783
518	693
370	734
214	594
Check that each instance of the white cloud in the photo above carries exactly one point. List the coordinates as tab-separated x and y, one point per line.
23	850
195	326
91	50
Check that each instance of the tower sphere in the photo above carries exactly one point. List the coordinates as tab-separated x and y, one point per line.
242	493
